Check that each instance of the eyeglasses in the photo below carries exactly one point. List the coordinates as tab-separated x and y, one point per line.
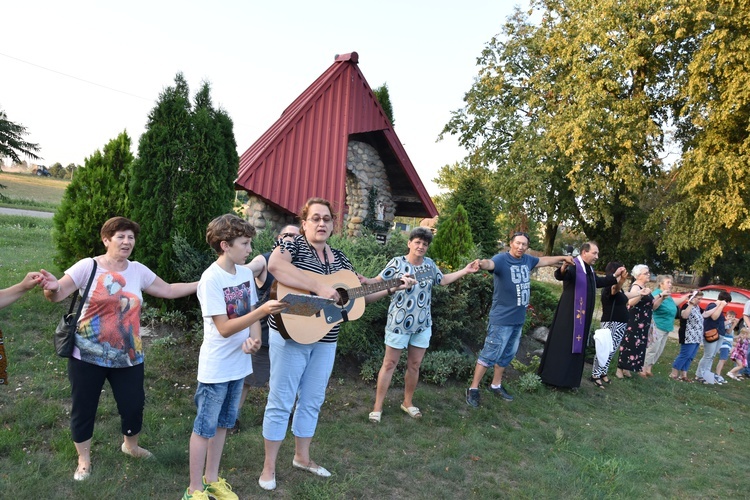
287	235
315	219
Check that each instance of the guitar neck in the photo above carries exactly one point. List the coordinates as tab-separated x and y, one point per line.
363	290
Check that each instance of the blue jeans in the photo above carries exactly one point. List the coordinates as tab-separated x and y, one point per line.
501	345
218	406
709	351
685	357
301	372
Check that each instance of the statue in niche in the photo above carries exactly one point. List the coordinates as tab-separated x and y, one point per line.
380	212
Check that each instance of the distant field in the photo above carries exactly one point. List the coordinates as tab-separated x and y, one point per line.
30	191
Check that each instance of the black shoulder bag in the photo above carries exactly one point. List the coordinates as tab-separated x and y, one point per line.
65	333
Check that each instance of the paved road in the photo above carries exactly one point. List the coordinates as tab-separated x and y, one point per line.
28	213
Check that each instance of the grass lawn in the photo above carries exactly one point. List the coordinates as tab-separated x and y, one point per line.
638	438
31	192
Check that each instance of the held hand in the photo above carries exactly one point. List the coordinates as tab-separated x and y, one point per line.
274	307
48	281
568	260
645	291
620	271
472	267
31	280
250	345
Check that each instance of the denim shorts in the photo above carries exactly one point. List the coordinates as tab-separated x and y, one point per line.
501	345
401	341
724	353
218	406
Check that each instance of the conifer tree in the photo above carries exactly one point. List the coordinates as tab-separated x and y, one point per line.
473	194
453	244
98	191
183	178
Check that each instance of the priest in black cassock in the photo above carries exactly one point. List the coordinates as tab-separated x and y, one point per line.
562	360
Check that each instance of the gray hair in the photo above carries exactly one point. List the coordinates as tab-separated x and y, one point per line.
662	278
638	269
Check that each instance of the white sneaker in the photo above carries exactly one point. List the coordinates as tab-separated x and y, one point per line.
720	379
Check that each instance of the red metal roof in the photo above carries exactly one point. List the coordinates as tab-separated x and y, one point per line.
304	153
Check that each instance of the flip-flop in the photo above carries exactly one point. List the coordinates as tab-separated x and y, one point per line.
375	416
412	411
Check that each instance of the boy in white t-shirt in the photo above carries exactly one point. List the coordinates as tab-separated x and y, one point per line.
227	295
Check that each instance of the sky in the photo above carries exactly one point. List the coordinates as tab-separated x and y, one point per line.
78	73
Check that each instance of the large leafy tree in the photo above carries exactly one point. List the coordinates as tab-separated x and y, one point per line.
97	192
570	113
708	217
12	142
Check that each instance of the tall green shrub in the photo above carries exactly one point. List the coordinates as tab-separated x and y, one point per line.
453	245
183	178
97	192
474	195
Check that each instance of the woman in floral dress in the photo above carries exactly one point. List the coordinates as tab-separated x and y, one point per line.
633	346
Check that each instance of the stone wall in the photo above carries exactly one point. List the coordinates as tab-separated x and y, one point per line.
265	217
364	170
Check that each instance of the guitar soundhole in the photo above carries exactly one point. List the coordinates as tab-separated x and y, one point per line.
344	296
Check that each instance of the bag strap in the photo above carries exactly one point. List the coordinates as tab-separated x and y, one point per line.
85	294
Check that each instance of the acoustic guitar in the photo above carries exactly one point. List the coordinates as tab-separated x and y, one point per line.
309	329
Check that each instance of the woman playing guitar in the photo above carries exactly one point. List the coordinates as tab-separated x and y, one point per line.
300	371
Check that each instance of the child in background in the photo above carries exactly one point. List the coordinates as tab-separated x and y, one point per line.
226	292
727	340
739	353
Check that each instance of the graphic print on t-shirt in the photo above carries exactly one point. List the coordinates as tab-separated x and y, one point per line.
521	276
238	300
109	331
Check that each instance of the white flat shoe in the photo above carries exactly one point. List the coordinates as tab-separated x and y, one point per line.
268	485
82	473
317	470
137	453
375	416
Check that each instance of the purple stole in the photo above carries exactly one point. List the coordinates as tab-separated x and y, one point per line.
579	309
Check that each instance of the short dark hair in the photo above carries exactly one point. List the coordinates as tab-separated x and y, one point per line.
725	296
116	224
612	267
422	233
586	247
227	227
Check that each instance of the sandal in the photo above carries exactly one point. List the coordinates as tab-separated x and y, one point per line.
686	379
627	374
82	473
412	411
606	379
597	382
375	416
